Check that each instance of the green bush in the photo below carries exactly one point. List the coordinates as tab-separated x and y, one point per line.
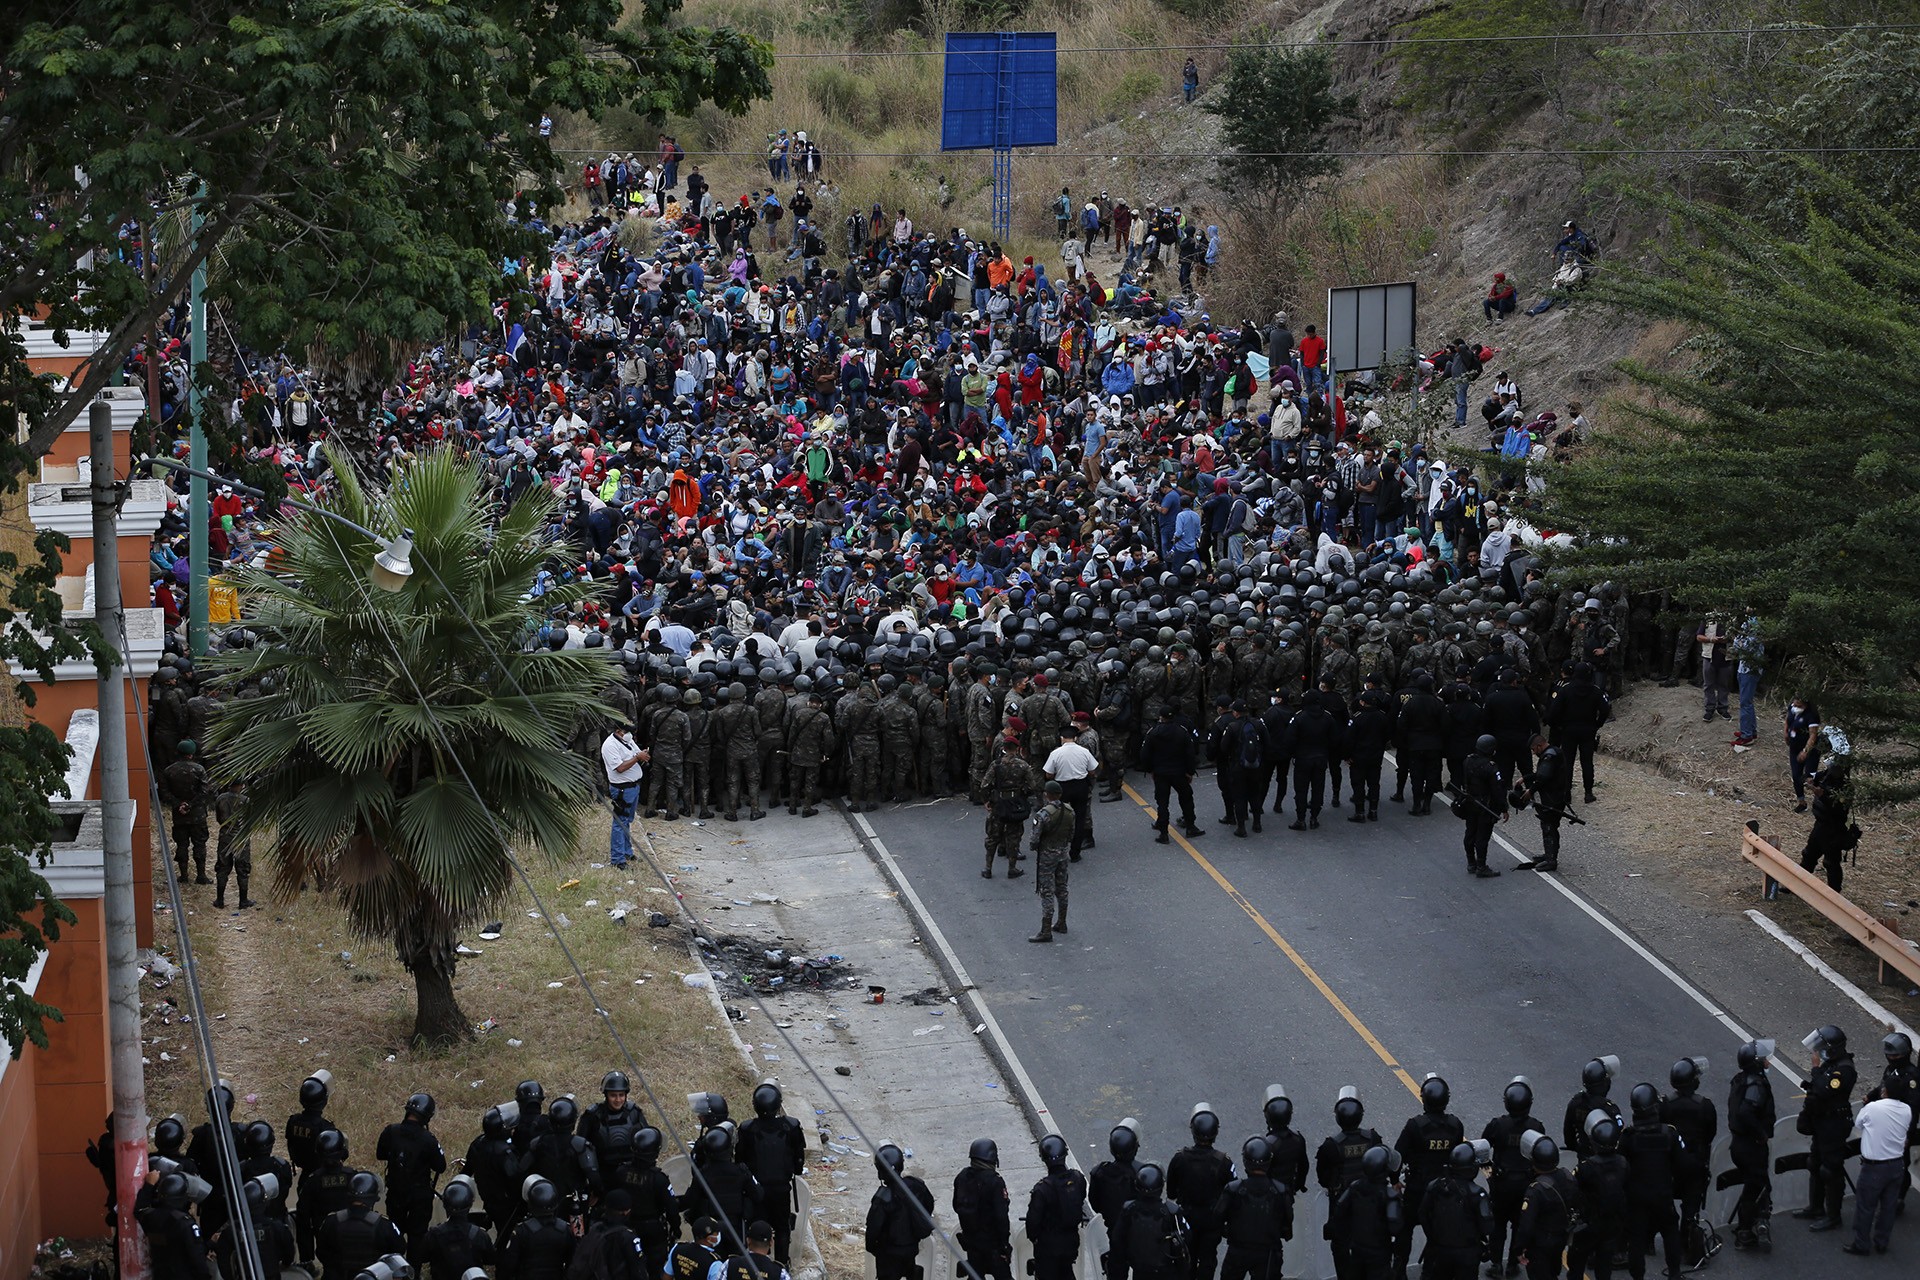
846	96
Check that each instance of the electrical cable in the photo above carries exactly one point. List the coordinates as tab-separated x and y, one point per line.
1569	152
1372	42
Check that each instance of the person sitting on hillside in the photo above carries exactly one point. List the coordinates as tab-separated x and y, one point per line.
1501	298
1575	244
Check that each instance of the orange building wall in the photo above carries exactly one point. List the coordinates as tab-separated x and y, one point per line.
74	1090
20	1190
54	706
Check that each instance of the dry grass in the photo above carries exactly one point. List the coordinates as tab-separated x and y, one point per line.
287	1004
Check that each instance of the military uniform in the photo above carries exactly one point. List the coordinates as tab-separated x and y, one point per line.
672	734
699	766
189	793
736	735
857	720
770	706
1009	785
1052	835
981	711
233	854
809	742
900	733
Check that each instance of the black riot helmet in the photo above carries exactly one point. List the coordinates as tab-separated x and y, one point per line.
1545	1154
222	1096
258	1139
543	1199
1349	1111
615	1082
1898	1047
1278	1110
1753	1055
172	1189
331	1145
1434	1095
1828	1040
256	1197
1606	1134
1053	1152
530	1096
1149	1181
1518	1098
421	1105
564	1113
1644	1099
1462	1160
716	1143
1204	1125
493	1124
1376	1163
1257	1155
363	1188
766	1101
1124	1142
1485	744
646	1145
1596	1078
984	1151
457	1197
889	1157
1685	1076
314	1093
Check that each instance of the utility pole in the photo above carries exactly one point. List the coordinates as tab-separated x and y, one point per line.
116	844
197	517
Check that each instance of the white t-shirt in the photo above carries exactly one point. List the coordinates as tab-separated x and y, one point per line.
1070	762
1883	1129
614	753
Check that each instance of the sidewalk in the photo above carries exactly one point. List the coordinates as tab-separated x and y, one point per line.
918	1075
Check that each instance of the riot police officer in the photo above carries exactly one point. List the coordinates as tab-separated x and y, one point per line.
323	1191
1596	1080
567	1161
490	1163
310	1121
1056	1210
258	1161
1289	1146
176	1248
611	1123
1196	1176
1698	1124
1483	797
1365	1219
1750	1121
774	1147
354	1238
1110	1185
540	1245
1338	1161
1827	1118
272	1237
1256	1217
1426	1146
656	1213
454	1247
1653	1151
1512	1166
1901	1082
895	1226
1149	1243
414	1164
1548	1210
726	1188
981	1204
1455	1216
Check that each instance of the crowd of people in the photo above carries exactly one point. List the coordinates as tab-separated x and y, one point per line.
549	1190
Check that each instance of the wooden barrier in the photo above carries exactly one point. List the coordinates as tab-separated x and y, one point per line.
1888	947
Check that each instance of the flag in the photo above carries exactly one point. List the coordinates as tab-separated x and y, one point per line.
519	347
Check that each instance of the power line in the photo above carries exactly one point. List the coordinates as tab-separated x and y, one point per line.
1039	152
1377	42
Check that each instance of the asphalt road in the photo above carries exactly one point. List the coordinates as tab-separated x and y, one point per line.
1353	954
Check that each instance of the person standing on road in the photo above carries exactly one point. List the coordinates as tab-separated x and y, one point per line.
1901	1080
1053	830
1698	1124
1256	1217
1111	1183
1009	786
980	1204
1574	716
1512	1165
622	758
1196	1177
1551	795
1484	798
1426	1146
1750	1120
1653	1151
1827	1118
1548	1208
1148	1243
1055	1211
1169	754
1885	1125
894	1228
1455	1217
1073	766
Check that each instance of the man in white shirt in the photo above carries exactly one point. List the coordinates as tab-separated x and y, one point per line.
1884	1123
1073	767
622	759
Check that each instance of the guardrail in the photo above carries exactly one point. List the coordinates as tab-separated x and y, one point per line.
1888	947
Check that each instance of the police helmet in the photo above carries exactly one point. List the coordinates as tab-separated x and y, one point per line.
1485	744
543	1199
615	1082
314	1091
1597	1076
1545	1154
1257	1155
1053	1151
421	1105
1753	1054
457	1197
1462	1159
1434	1094
493	1124
1606	1134
331	1145
1518	1098
173	1188
646	1145
985	1151
1828	1040
259	1139
1645	1101
529	1095
1685	1075
1124	1141
1278	1109
564	1113
716	1142
889	1157
363	1188
1349	1111
1376	1163
1149	1181
1204	1125
766	1100
1897	1047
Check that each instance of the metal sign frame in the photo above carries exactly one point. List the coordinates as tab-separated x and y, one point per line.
1366	322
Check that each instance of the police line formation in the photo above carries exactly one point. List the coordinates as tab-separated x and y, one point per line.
549	1190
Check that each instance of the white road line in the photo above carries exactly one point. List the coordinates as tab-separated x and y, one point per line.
1874	1009
931	927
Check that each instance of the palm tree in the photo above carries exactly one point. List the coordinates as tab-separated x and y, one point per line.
358	788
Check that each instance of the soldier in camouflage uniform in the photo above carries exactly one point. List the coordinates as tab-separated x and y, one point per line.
1009	787
736	744
233	855
809	742
982	713
666	777
857	721
770	707
926	694
1113	718
699	765
1337	666
1052	835
1594	640
899	726
188	792
1183	682
1375	657
1047	715
166	718
1081	680
1147	690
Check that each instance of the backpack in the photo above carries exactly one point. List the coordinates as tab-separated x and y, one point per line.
1252	750
678	153
1010	802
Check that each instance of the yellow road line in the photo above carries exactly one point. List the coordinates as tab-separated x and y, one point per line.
1286	948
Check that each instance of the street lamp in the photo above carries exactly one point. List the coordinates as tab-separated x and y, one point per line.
392	567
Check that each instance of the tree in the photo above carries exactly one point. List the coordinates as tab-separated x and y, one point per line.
352	159
1277	106
346	766
1779	472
